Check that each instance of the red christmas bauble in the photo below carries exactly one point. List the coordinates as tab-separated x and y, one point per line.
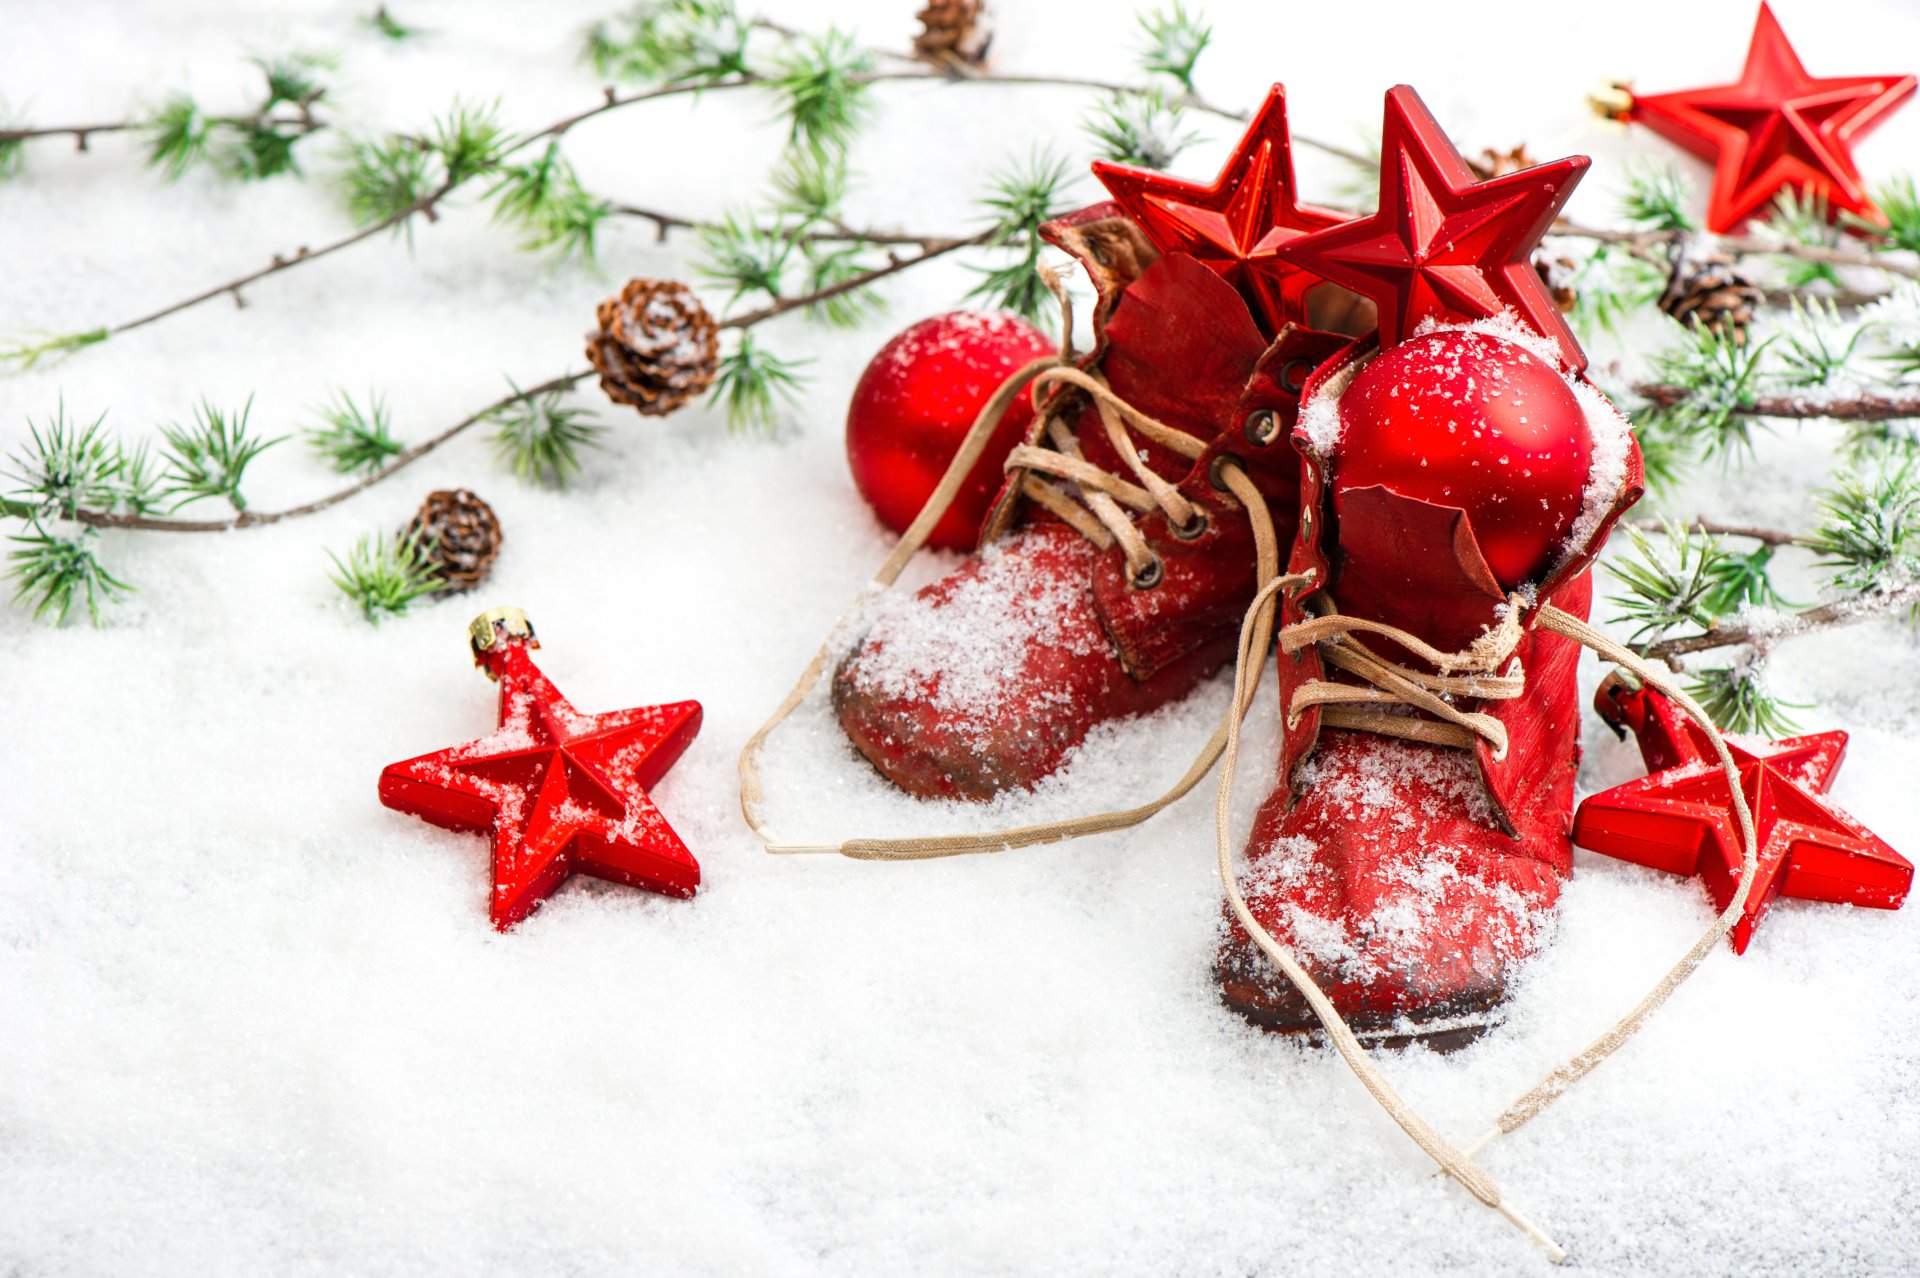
1469	420
916	402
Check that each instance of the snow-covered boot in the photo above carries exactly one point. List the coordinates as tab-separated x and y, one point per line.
1415	842
1117	562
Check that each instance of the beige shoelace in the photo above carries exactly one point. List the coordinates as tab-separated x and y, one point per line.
1378	705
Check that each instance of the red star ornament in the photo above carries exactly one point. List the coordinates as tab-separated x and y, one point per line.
560	792
1236	225
1776	128
1680	816
1443	246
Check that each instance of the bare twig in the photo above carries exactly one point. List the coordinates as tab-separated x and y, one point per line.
1714	528
1856	408
1741	246
566	381
1842	612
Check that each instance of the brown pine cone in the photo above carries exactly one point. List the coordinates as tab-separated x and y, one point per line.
1557	274
1708	289
953	33
460	535
1493	164
657	347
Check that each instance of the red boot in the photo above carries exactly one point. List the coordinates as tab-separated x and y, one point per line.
1413	849
986	679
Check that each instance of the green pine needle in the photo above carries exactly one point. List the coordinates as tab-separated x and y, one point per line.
13	151
1899	202
1175	39
1804	220
1814	353
176	136
385	180
540	439
25	352
66	467
1869	534
1141	129
827	267
52	572
824	96
209	456
354	439
810	187
755	385
746	257
1611	286
1019	201
136	482
671	42
385	575
552	210
1737	699
1670	586
468	139
383	22
252	150
1719	374
1656	198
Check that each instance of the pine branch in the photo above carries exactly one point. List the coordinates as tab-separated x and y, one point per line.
1864	407
1841	612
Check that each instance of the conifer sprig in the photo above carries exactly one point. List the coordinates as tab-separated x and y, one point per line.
353	438
540	438
384	575
1173	40
1019	201
208	456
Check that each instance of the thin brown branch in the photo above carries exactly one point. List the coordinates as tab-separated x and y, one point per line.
1855	408
1714	528
1742	246
566	381
1841	612
834	233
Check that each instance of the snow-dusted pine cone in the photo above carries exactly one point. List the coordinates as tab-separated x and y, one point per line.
953	32
1492	164
657	346
1708	289
460	535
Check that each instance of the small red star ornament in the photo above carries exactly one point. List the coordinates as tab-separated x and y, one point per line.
1776	128
560	792
1236	224
1443	246
1679	817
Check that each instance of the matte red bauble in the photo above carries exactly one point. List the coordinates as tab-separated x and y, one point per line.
916	402
1468	420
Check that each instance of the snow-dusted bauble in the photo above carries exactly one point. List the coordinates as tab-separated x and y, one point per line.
916	402
1466	419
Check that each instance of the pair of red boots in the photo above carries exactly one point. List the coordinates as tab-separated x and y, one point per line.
1408	861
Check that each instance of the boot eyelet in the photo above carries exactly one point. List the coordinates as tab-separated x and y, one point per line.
1294	374
1216	473
1193	530
1150	576
1262	427
1306	519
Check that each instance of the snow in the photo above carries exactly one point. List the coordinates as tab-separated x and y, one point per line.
252	1022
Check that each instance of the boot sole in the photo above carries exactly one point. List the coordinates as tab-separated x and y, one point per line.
1443	1031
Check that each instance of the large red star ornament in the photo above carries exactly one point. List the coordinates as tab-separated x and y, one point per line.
1679	817
1443	246
1236	224
1775	128
560	792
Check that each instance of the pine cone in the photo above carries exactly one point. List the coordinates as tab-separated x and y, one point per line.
953	33
657	347
1557	274
1708	289
460	535
1493	164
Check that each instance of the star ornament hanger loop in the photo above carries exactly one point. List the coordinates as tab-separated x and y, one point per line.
1236	224
1776	128
558	792
1443	246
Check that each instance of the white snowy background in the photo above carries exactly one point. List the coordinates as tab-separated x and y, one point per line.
253	1022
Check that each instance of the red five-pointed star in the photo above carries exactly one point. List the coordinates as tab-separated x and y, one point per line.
1776	127
1240	220
1680	817
1443	246
562	792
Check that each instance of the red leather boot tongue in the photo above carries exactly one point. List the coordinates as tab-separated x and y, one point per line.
1414	565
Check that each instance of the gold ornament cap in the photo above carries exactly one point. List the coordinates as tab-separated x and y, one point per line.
495	627
1613	100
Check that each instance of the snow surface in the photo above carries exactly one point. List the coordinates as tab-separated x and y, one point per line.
252	1022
